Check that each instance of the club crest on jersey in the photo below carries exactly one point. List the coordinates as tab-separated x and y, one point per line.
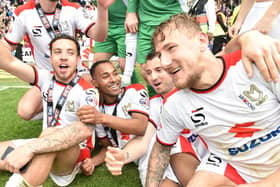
253	97
70	106
125	108
198	118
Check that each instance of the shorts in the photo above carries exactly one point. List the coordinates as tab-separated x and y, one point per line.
215	164
144	42
66	179
114	43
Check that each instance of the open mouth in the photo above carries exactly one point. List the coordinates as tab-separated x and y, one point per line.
63	66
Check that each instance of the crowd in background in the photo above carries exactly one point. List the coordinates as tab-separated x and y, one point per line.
226	13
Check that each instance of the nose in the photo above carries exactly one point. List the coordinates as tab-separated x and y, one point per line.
165	60
154	76
63	55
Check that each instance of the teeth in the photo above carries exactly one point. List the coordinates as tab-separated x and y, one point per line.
175	71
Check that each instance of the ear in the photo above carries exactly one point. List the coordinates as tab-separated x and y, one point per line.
204	42
94	83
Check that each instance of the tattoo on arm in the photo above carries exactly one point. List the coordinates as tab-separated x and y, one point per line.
61	138
158	162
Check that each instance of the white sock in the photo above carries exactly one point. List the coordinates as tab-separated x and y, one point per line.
16	180
131	43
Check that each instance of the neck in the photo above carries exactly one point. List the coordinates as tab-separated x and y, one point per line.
108	100
212	71
48	6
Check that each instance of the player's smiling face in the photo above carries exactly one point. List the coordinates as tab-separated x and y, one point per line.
64	59
179	54
107	80
157	77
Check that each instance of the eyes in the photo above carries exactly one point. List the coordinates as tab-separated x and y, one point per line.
69	52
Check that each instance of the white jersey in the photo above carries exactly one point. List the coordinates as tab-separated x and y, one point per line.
238	118
83	93
134	99
27	22
187	143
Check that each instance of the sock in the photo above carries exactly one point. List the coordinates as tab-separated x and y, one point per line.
131	43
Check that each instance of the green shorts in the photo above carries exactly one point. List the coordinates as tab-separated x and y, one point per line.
114	43
144	42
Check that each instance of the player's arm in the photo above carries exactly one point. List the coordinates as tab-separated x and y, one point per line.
99	31
51	140
131	19
9	46
136	125
263	51
245	7
264	25
14	66
116	158
158	161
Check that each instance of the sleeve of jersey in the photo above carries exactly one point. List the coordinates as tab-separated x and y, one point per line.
90	95
83	23
16	31
42	77
169	130
100	131
139	101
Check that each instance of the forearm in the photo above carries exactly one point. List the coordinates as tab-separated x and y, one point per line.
134	126
244	10
14	66
273	11
99	31
61	138
159	160
99	158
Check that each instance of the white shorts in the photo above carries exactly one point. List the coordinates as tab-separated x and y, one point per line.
65	180
215	164
254	15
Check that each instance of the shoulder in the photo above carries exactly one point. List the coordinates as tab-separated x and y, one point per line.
27	6
169	96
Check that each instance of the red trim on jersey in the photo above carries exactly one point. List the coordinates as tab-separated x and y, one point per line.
89	143
87	29
68	3
103	137
35	83
137	87
85	84
10	42
155	96
233	175
169	94
161	142
228	60
203	141
29	5
187	147
153	122
138	111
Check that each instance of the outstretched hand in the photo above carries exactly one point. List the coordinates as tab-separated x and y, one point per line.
115	159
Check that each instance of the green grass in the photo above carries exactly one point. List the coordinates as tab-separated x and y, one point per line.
13	127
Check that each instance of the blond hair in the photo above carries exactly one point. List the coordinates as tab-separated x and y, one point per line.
182	22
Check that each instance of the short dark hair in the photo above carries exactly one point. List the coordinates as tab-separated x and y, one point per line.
151	55
95	64
67	37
